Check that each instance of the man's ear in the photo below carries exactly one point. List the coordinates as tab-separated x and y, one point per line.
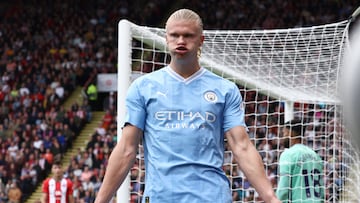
202	38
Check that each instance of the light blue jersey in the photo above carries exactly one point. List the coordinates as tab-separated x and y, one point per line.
184	121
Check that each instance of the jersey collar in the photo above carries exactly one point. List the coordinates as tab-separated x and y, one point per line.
188	80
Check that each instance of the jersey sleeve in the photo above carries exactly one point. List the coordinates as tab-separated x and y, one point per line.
234	111
136	112
284	183
45	186
70	188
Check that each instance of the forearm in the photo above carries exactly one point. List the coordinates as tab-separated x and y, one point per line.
120	161
251	164
116	172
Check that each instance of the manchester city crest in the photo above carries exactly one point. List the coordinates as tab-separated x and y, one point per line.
210	96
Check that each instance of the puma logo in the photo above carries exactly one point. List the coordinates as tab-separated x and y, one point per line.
161	93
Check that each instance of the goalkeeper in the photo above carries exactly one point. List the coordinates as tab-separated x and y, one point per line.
300	169
183	112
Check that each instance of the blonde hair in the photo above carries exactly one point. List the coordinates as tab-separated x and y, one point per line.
186	14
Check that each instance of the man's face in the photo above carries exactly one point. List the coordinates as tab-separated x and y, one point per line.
184	38
57	170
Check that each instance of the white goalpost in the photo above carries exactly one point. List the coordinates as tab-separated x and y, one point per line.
281	74
124	74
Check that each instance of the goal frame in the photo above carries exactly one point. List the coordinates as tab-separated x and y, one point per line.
125	77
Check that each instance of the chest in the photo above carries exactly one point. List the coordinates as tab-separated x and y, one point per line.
197	96
57	188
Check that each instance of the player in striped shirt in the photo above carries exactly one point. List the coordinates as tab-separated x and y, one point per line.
183	112
57	189
300	169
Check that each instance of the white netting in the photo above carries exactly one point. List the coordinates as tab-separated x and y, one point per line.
271	68
298	64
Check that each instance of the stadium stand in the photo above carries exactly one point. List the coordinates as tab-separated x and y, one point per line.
50	49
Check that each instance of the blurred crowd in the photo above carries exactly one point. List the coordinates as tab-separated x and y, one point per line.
270	14
48	48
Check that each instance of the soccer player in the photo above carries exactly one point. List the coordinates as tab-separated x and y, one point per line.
300	169
57	189
184	112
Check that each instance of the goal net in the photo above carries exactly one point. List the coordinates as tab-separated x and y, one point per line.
281	74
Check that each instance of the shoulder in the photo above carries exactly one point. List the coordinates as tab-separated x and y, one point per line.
218	78
46	181
302	149
312	153
290	153
153	76
226	87
67	180
298	152
69	183
147	81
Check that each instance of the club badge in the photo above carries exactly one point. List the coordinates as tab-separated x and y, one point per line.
210	96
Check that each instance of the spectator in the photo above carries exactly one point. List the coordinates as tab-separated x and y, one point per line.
37	142
69	135
14	193
86	174
88	185
107	120
92	94
13	149
49	157
88	197
87	158
3	197
109	102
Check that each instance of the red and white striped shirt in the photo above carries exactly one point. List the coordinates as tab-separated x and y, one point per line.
58	191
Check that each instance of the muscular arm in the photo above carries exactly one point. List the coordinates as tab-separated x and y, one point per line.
120	161
250	162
